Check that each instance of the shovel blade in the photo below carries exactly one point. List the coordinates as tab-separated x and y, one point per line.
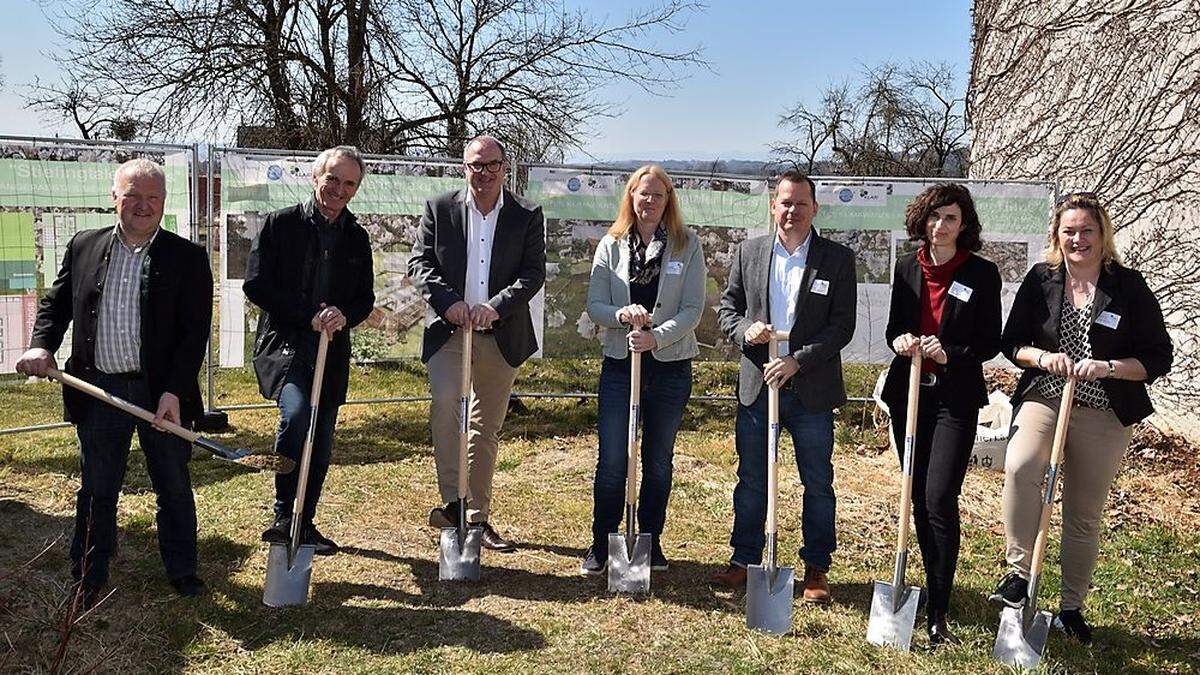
1017	645
628	571
892	622
458	558
287	584
769	600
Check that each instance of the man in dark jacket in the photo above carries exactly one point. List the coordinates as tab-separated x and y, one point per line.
797	281
310	270
140	301
479	258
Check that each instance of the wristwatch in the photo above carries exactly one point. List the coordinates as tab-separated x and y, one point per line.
1112	368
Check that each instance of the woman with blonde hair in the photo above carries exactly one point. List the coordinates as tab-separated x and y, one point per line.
1079	314
647	290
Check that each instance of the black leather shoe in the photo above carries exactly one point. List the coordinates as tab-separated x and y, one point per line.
1070	621
188	586
1010	591
658	561
324	545
444	516
492	539
280	532
940	635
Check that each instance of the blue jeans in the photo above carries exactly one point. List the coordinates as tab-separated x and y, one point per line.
812	438
104	436
666	387
294	415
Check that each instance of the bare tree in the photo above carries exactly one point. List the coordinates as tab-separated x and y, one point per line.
905	121
415	76
1105	97
93	114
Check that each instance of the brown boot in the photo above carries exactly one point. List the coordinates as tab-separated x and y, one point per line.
816	586
733	577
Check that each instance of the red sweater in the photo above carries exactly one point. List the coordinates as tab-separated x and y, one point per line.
938	279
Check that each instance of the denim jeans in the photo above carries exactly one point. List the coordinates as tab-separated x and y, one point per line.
666	387
812	438
294	416
104	435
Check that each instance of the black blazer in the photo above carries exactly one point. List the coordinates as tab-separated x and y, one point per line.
969	332
1140	332
280	276
824	322
176	316
518	269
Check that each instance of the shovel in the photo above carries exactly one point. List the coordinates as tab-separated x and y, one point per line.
1021	638
769	587
894	606
458	548
243	456
289	566
629	553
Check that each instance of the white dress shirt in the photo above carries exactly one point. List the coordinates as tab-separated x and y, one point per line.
787	273
481	230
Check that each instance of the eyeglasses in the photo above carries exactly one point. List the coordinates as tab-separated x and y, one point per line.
1089	196
490	167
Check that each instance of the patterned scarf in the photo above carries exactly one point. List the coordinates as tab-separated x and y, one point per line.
645	260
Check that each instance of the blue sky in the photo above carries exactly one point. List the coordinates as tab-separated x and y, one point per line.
765	55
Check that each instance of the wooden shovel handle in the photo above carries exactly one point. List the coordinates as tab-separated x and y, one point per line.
906	452
1056	450
141	413
314	402
773	435
635	407
464	410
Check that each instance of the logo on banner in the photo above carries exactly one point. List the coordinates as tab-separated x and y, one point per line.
573	185
846	195
274	172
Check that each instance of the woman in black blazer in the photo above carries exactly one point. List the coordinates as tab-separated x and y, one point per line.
945	306
1083	314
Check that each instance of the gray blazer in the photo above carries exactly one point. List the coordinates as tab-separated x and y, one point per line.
676	311
438	270
824	322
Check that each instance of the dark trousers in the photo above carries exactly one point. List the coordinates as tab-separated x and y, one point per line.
940	456
105	434
812	439
294	418
666	387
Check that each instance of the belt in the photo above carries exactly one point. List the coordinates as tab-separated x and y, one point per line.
929	379
485	331
134	375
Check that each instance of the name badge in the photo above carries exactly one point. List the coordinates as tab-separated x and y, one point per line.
961	292
675	267
1109	320
820	287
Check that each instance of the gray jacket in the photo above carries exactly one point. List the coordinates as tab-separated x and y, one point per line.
824	321
676	312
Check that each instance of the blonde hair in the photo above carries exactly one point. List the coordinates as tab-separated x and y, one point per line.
672	218
1083	201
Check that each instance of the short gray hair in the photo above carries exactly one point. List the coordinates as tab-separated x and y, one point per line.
487	138
140	167
347	151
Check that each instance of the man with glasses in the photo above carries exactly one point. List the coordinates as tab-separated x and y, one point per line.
310	270
479	258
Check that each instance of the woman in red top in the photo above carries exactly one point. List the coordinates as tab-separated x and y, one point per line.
945	306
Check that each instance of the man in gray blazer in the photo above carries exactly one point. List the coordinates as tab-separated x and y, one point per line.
798	281
479	258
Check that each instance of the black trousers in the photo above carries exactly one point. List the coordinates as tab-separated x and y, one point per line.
105	434
940	456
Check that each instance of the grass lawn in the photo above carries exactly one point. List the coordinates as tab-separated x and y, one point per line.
378	607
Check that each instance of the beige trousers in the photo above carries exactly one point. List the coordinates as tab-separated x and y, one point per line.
491	382
1096	442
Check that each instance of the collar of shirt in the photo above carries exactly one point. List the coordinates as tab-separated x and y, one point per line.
134	250
490	214
801	252
313	215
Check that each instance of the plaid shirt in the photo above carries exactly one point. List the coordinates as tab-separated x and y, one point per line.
119	329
